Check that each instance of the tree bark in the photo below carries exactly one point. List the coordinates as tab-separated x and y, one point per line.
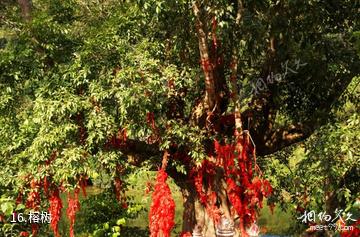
204	220
189	219
196	214
233	77
25	6
210	95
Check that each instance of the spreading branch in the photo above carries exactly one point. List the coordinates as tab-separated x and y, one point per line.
139	151
270	139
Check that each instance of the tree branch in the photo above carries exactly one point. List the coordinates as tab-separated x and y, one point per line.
233	77
139	151
25	6
281	138
210	95
269	139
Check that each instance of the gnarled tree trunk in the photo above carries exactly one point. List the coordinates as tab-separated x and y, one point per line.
196	214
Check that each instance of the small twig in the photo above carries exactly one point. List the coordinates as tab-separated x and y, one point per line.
257	168
252	141
208	122
165	159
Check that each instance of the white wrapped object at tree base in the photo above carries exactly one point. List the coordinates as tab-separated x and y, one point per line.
225	228
253	230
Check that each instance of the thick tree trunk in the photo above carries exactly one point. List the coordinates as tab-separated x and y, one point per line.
189	218
196	214
204	220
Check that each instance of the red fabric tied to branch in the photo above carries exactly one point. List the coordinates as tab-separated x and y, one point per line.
206	65
24	234
33	200
150	119
34	229
73	207
46	185
117	140
19	198
245	192
55	210
226	159
83	184
233	194
203	181
117	186
162	209
355	231
198	180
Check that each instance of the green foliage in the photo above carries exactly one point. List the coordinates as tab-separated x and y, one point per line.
102	213
322	173
81	59
11	224
105	64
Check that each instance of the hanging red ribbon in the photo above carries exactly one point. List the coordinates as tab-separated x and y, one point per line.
73	207
55	210
162	209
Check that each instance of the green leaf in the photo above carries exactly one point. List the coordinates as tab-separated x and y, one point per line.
7	208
